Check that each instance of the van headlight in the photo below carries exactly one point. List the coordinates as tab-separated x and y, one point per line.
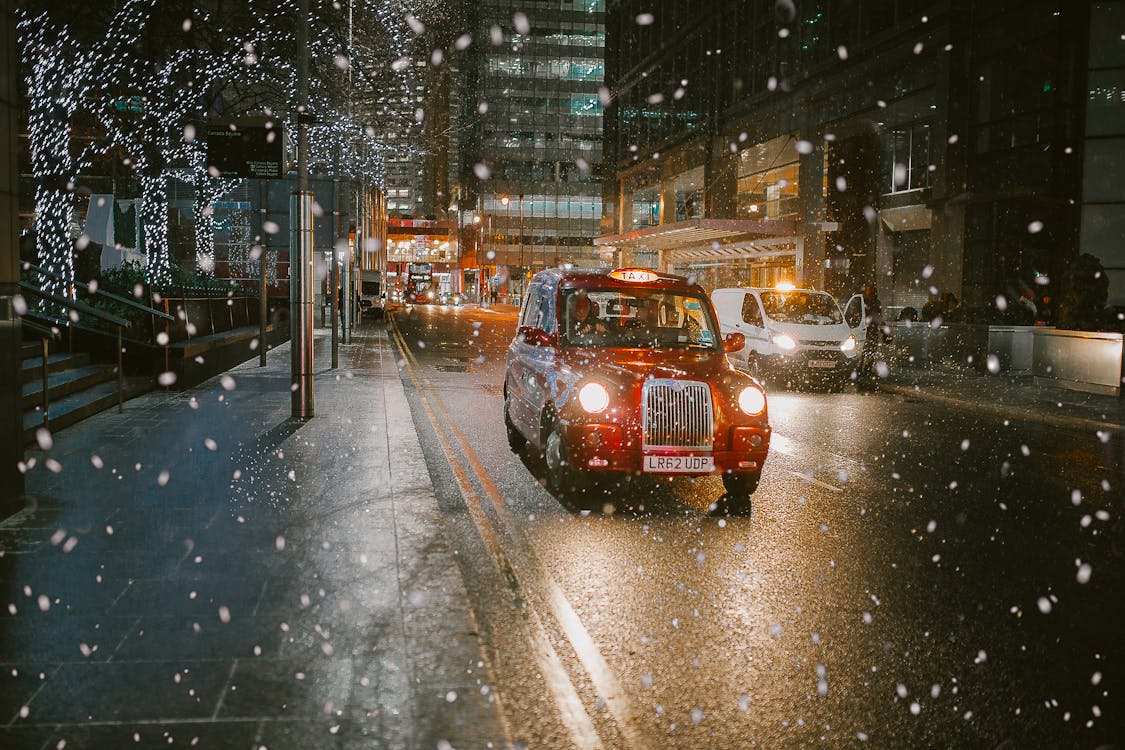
784	341
752	400
848	345
593	397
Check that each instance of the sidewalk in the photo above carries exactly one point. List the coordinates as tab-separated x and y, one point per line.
1015	397
203	572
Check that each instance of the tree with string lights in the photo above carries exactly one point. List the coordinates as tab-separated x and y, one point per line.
186	65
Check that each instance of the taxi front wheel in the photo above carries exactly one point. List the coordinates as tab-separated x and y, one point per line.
563	480
739	488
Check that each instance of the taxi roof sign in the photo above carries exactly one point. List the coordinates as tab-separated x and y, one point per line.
634	275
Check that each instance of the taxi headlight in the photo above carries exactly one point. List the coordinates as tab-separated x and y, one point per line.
784	341
593	397
752	400
848	345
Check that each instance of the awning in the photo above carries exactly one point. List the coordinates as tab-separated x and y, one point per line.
699	233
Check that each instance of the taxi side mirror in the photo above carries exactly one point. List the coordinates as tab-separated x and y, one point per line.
733	342
533	336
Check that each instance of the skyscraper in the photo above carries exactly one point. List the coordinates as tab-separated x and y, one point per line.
529	129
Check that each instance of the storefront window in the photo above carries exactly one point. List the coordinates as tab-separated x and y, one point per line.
906	159
646	207
768	177
689	195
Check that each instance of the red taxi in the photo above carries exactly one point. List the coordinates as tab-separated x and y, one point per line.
624	372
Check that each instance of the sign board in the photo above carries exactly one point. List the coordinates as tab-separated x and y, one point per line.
635	275
246	147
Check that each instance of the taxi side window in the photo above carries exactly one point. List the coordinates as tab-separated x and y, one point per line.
531	308
751	313
545	318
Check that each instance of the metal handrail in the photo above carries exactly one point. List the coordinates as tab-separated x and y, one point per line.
75	305
103	293
84	309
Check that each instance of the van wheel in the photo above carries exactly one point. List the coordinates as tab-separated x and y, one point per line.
516	441
739	488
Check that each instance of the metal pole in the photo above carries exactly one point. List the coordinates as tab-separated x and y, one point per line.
46	395
345	290
302	272
120	375
263	309
346	308
334	270
263	305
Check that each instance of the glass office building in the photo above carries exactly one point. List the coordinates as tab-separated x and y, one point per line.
530	135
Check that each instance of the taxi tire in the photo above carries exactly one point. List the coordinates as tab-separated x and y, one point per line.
516	441
563	480
739	488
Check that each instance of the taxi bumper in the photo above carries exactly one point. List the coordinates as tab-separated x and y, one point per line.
609	448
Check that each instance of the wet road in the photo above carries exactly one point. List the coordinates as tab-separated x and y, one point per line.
910	576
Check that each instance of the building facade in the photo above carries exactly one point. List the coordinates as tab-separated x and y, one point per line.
922	146
529	131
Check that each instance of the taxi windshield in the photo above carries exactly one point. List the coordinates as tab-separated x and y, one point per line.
641	319
806	308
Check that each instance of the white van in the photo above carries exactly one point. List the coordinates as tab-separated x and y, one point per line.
798	334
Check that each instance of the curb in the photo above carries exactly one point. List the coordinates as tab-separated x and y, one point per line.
1001	410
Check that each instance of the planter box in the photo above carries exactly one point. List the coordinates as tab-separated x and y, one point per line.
1080	360
963	346
1013	346
954	347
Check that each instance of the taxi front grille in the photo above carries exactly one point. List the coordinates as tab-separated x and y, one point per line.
677	414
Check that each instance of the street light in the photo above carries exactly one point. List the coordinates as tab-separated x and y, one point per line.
504	201
482	255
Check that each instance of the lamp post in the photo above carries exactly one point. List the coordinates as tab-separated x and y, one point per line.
504	201
478	242
301	274
458	278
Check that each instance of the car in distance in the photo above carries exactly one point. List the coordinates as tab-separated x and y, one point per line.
371	294
453	299
798	335
624	372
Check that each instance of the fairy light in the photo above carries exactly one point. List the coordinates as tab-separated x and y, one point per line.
66	79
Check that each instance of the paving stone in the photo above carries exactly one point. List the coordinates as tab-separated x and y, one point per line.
187	577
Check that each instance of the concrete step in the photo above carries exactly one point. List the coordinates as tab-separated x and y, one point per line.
64	383
77	406
32	367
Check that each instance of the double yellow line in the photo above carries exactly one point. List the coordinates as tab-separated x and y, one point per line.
575	717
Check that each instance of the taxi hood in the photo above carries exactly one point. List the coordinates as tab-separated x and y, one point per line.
629	365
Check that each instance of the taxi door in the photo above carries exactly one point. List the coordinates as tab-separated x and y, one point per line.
531	365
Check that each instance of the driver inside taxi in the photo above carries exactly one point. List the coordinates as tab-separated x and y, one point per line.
584	316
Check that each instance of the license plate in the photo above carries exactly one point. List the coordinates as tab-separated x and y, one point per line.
679	464
826	364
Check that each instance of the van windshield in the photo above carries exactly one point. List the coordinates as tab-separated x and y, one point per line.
805	308
641	319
